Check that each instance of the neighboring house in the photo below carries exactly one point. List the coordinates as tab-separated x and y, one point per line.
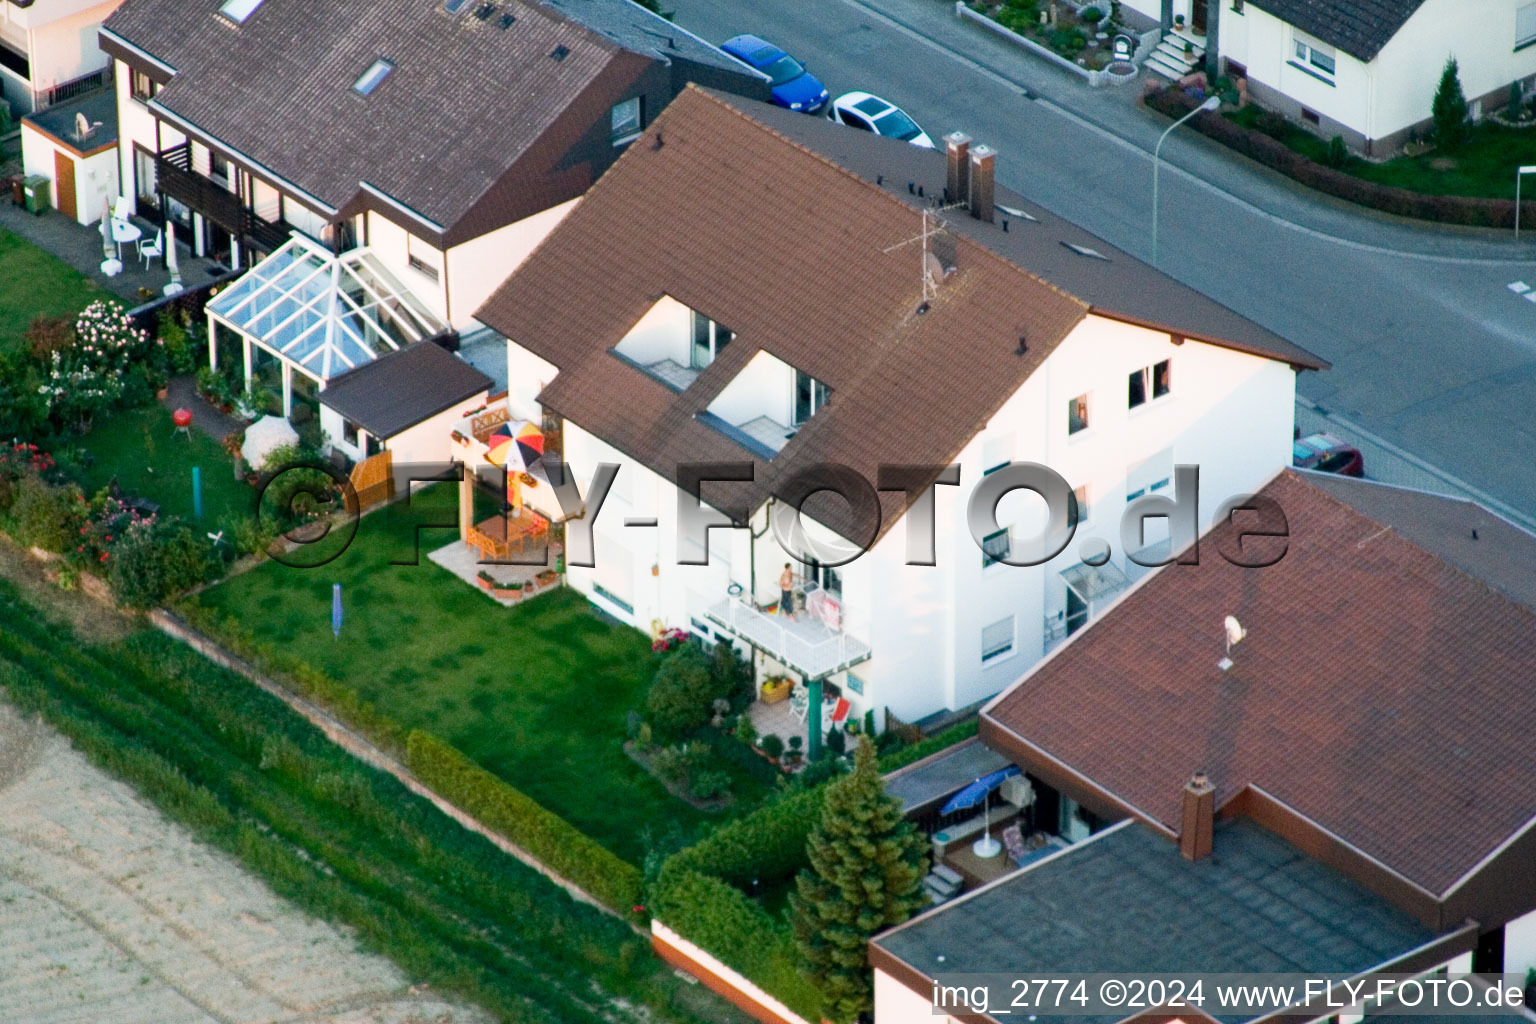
1367	70
74	145
1348	789
48	51
429	143
750	285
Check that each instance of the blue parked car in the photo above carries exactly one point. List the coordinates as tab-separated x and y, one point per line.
793	86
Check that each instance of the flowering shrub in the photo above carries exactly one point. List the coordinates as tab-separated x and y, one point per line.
670	638
156	557
45	517
87	377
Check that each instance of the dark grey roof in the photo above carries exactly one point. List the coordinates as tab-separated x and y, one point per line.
930	781
59	121
1462	533
467	103
399	390
1120	286
1127	902
1358	27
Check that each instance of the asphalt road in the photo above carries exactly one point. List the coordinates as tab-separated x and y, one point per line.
1431	350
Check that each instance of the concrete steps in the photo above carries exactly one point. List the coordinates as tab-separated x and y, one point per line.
1169	59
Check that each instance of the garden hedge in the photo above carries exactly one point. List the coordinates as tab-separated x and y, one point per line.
1467	210
551	839
930	745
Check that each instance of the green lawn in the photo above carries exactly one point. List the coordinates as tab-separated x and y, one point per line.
537	693
141	448
36	283
1485	167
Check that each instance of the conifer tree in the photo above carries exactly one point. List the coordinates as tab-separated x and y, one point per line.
1449	110
867	865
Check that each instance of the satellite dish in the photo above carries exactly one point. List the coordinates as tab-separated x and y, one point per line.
932	268
1235	631
82	126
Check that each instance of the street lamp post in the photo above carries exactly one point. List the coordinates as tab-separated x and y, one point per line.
1520	172
1211	103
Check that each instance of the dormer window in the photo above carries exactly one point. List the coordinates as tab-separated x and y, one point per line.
239	10
709	340
625	121
673	343
376	73
766	404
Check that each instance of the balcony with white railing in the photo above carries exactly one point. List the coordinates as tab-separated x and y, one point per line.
805	644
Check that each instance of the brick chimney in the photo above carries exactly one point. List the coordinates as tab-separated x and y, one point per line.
957	145
1199	817
982	159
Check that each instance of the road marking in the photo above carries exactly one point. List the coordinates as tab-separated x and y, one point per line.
1029	93
1519	287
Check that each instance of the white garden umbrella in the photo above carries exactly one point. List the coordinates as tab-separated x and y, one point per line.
110	264
170	258
263	437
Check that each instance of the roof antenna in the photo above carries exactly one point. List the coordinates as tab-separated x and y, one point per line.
930	271
1235	634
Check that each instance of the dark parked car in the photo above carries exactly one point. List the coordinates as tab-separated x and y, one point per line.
1327	454
792	85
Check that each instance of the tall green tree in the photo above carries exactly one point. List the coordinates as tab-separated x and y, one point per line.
867	866
1449	111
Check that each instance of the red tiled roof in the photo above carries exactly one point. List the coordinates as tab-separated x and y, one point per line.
1380	691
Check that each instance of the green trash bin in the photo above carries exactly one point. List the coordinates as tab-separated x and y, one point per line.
35	189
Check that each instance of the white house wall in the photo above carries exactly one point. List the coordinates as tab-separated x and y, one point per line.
1227	412
136	125
1520	944
95	175
477	267
662	333
1263	44
895	1003
61	38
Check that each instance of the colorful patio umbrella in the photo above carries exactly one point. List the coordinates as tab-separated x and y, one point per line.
516	444
336	610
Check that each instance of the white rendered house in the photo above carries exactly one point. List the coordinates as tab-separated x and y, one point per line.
48	50
1364	70
674	344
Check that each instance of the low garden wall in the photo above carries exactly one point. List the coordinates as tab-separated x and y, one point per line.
1094	78
1466	210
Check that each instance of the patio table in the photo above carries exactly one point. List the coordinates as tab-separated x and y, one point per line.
124	232
499	536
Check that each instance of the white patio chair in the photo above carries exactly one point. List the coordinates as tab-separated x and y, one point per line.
799	701
152	250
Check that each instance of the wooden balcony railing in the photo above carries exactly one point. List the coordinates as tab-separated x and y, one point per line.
175	177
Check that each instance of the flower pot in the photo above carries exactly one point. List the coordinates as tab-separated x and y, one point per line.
485	584
162	394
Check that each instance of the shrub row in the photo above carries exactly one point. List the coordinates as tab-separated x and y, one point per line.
350	844
548	837
1468	210
699	891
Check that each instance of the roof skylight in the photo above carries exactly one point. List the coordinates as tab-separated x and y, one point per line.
455	6
1083	250
238	10
376	73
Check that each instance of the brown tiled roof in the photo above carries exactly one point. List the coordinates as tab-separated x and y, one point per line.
787	250
1381	691
1120	286
468	102
719	206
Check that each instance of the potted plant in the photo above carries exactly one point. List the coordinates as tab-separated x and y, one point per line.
775	689
771	747
485	579
1189	49
1178	23
792	755
510	592
547	577
746	732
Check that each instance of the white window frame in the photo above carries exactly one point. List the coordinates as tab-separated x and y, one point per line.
1148	376
989	560
619	120
1307	52
996	452
369	81
1000	650
147	93
238	11
1087	399
1525	25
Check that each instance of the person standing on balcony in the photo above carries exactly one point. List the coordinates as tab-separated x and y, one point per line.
787	592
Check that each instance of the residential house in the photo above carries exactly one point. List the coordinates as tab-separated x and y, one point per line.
48	51
429	144
1367	70
749	285
1342	784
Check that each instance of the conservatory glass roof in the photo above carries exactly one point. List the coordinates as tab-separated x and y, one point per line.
324	312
